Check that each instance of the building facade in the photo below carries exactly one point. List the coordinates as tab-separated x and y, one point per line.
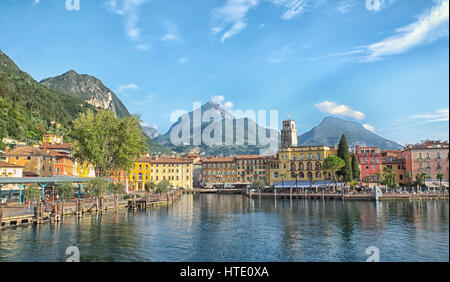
178	171
219	171
35	162
251	168
370	161
392	160
429	157
305	162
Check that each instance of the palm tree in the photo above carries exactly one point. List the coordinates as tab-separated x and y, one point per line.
420	180
440	176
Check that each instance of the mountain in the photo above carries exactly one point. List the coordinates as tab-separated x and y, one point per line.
150	131
88	88
250	128
29	109
329	132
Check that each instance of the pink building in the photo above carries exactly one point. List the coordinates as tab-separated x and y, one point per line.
430	157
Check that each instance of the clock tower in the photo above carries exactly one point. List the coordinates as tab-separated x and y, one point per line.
289	134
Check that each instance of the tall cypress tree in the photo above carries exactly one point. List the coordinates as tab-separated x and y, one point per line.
356	172
344	154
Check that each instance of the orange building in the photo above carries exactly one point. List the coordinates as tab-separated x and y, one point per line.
35	162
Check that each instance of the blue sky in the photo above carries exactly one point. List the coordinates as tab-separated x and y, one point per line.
383	63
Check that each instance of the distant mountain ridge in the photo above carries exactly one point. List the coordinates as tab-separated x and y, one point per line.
88	88
250	128
329	132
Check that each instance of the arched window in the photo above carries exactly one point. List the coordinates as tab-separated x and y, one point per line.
318	166
310	175
318	174
309	166
140	176
301	168
293	166
301	175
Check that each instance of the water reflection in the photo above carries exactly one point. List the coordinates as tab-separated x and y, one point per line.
236	228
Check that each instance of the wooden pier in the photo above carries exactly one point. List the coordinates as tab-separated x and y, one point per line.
21	215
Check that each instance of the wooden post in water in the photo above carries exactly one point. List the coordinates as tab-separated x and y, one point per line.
290	193
1	213
116	202
100	200
133	203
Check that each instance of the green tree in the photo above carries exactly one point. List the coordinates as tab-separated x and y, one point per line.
65	191
389	177
258	184
356	172
107	142
420	180
97	187
409	176
163	187
116	188
32	192
343	153
333	164
150	186
377	176
367	178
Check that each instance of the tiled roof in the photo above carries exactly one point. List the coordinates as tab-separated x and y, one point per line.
218	159
5	164
165	160
67	146
27	151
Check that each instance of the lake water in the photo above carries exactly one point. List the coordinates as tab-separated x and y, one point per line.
235	228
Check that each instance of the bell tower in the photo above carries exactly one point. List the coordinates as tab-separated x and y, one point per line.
289	134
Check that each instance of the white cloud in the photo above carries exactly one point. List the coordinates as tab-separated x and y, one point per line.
129	10
293	7
378	5
142	47
231	18
344	6
123	88
183	60
36	2
439	115
172	33
371	128
430	26
217	99
232	15
228	105
340	110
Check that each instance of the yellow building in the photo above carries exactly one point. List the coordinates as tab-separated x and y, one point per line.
178	171
140	174
306	162
51	139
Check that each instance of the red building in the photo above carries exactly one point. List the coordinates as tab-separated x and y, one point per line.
370	162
